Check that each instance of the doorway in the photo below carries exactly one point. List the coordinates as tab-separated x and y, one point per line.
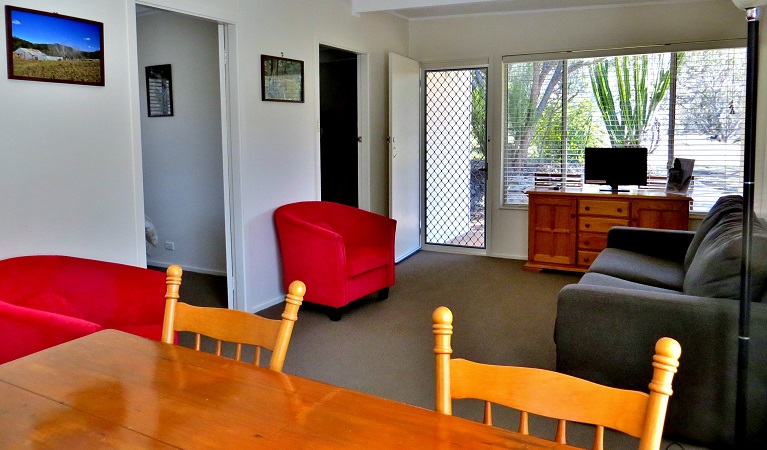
187	211
456	157
339	135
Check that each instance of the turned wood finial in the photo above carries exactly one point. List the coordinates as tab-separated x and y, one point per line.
294	299
665	362
172	285
442	327
443	330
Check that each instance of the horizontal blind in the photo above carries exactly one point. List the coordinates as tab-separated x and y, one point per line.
711	98
678	105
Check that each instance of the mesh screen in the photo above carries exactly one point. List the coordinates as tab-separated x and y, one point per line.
456	144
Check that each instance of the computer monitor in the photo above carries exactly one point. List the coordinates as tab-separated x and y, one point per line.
614	167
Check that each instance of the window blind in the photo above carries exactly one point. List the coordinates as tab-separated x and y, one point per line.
677	104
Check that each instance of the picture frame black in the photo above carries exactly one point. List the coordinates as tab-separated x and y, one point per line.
282	79
159	90
52	47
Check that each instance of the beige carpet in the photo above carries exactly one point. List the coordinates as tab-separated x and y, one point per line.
503	315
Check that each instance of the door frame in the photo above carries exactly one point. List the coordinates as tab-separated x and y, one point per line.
230	139
363	125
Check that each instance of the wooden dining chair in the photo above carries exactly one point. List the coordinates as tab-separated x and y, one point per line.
226	325
556	395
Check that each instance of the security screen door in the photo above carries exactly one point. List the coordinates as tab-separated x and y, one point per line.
456	157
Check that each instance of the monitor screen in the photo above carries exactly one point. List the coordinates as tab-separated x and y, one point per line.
615	166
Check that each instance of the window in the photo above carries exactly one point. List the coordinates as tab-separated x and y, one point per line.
679	105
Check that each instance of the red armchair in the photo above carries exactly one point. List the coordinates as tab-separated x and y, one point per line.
47	300
341	253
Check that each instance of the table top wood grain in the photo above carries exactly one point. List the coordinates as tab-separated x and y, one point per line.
116	390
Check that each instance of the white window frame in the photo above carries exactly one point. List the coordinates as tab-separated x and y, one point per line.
595	53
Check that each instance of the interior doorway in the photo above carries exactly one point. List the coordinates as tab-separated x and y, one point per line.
189	213
339	134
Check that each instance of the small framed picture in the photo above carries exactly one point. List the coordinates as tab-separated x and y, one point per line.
44	46
159	91
282	79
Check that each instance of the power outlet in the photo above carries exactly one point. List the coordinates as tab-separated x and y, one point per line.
170	246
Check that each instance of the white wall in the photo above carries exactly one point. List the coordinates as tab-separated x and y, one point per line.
70	165
447	40
69	175
182	154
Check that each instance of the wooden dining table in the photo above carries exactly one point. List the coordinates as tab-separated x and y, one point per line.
116	390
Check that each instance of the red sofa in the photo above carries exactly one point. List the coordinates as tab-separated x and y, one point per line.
46	300
341	253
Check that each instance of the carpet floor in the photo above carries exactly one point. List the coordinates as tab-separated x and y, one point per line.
502	315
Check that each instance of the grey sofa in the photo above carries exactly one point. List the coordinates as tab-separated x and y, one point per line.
650	283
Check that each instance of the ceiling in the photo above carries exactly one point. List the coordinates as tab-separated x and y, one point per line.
423	9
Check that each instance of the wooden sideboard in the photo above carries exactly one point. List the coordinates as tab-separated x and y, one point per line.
568	228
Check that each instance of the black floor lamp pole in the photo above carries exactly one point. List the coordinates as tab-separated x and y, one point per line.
752	64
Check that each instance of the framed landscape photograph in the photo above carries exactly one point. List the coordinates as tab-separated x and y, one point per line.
159	91
44	46
282	79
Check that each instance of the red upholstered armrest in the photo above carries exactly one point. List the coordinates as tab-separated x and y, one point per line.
302	241
24	331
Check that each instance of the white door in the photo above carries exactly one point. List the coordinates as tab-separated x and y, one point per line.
404	154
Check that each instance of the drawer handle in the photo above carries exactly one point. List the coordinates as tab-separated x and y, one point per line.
586	242
587	208
588	225
620	209
586	259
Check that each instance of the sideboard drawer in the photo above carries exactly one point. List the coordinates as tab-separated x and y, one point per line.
592	241
585	258
605	208
599	224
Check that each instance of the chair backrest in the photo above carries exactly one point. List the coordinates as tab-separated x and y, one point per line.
556	395
225	325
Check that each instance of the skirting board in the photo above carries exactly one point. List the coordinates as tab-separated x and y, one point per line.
261	306
165	265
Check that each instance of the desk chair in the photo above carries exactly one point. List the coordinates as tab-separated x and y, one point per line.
556	395
228	325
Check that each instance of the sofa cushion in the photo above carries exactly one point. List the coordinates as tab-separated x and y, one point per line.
600	279
715	269
727	204
50	302
638	268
